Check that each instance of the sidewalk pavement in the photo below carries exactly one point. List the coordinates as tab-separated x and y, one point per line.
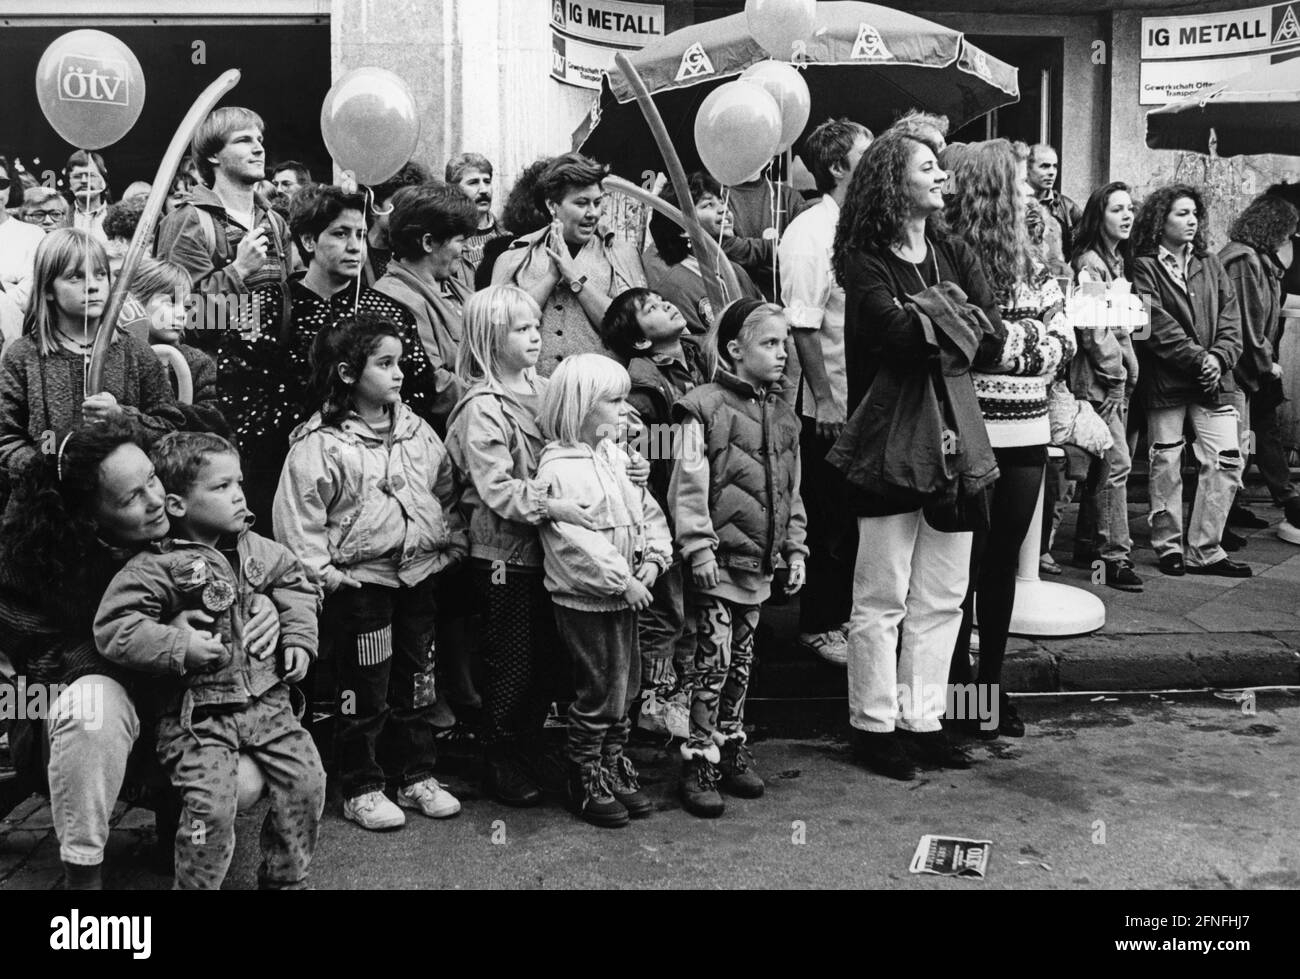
1179	633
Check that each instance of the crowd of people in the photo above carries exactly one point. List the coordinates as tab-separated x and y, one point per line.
448	468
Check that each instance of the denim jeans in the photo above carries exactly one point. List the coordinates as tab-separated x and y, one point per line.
1219	454
383	638
1114	542
602	650
88	754
909	581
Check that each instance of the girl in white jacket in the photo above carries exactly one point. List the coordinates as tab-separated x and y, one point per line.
366	502
598	578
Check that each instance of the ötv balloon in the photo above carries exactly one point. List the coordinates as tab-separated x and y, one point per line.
737	131
370	124
787	87
779	25
90	88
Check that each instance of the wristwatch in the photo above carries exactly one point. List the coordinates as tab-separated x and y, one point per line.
575	285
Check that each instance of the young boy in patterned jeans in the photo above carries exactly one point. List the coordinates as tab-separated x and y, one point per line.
737	511
221	701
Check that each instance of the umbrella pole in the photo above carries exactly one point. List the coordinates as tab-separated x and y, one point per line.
162	183
677	174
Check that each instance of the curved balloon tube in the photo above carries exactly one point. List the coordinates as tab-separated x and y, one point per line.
162	183
674	214
677	174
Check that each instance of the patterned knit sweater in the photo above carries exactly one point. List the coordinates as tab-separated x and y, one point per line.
1013	392
41	396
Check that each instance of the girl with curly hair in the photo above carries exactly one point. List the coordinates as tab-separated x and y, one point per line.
1256	258
77	515
1187	366
913	553
987	210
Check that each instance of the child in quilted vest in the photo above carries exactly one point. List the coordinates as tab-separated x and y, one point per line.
366	501
738	514
600	574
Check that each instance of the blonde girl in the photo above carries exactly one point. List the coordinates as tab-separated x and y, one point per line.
44	372
599	579
495	442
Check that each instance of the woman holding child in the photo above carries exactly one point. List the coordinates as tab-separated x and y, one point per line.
76	516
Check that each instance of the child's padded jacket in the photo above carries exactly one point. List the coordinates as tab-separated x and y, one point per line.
382	511
175	575
590	569
744	509
496	445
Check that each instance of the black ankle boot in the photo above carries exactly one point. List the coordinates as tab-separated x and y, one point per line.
883	754
84	877
505	780
592	797
934	748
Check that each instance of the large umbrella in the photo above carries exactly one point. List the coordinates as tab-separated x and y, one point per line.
1258	112
866	62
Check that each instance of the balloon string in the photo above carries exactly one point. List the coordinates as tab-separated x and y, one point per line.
365	245
721	256
771	203
85	321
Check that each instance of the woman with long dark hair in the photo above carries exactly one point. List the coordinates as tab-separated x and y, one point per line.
987	210
1105	373
913	553
76	516
1256	258
1187	376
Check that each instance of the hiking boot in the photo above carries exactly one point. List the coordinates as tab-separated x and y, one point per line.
883	754
699	786
627	787
737	771
505	779
832	646
934	748
374	811
430	798
1120	574
591	796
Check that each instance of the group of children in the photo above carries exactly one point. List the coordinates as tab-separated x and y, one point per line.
575	546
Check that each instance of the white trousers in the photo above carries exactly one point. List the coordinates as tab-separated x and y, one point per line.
909	579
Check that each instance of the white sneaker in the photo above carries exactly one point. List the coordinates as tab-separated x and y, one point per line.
430	798
373	811
831	646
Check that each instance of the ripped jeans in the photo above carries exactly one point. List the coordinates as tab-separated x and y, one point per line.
1218	451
